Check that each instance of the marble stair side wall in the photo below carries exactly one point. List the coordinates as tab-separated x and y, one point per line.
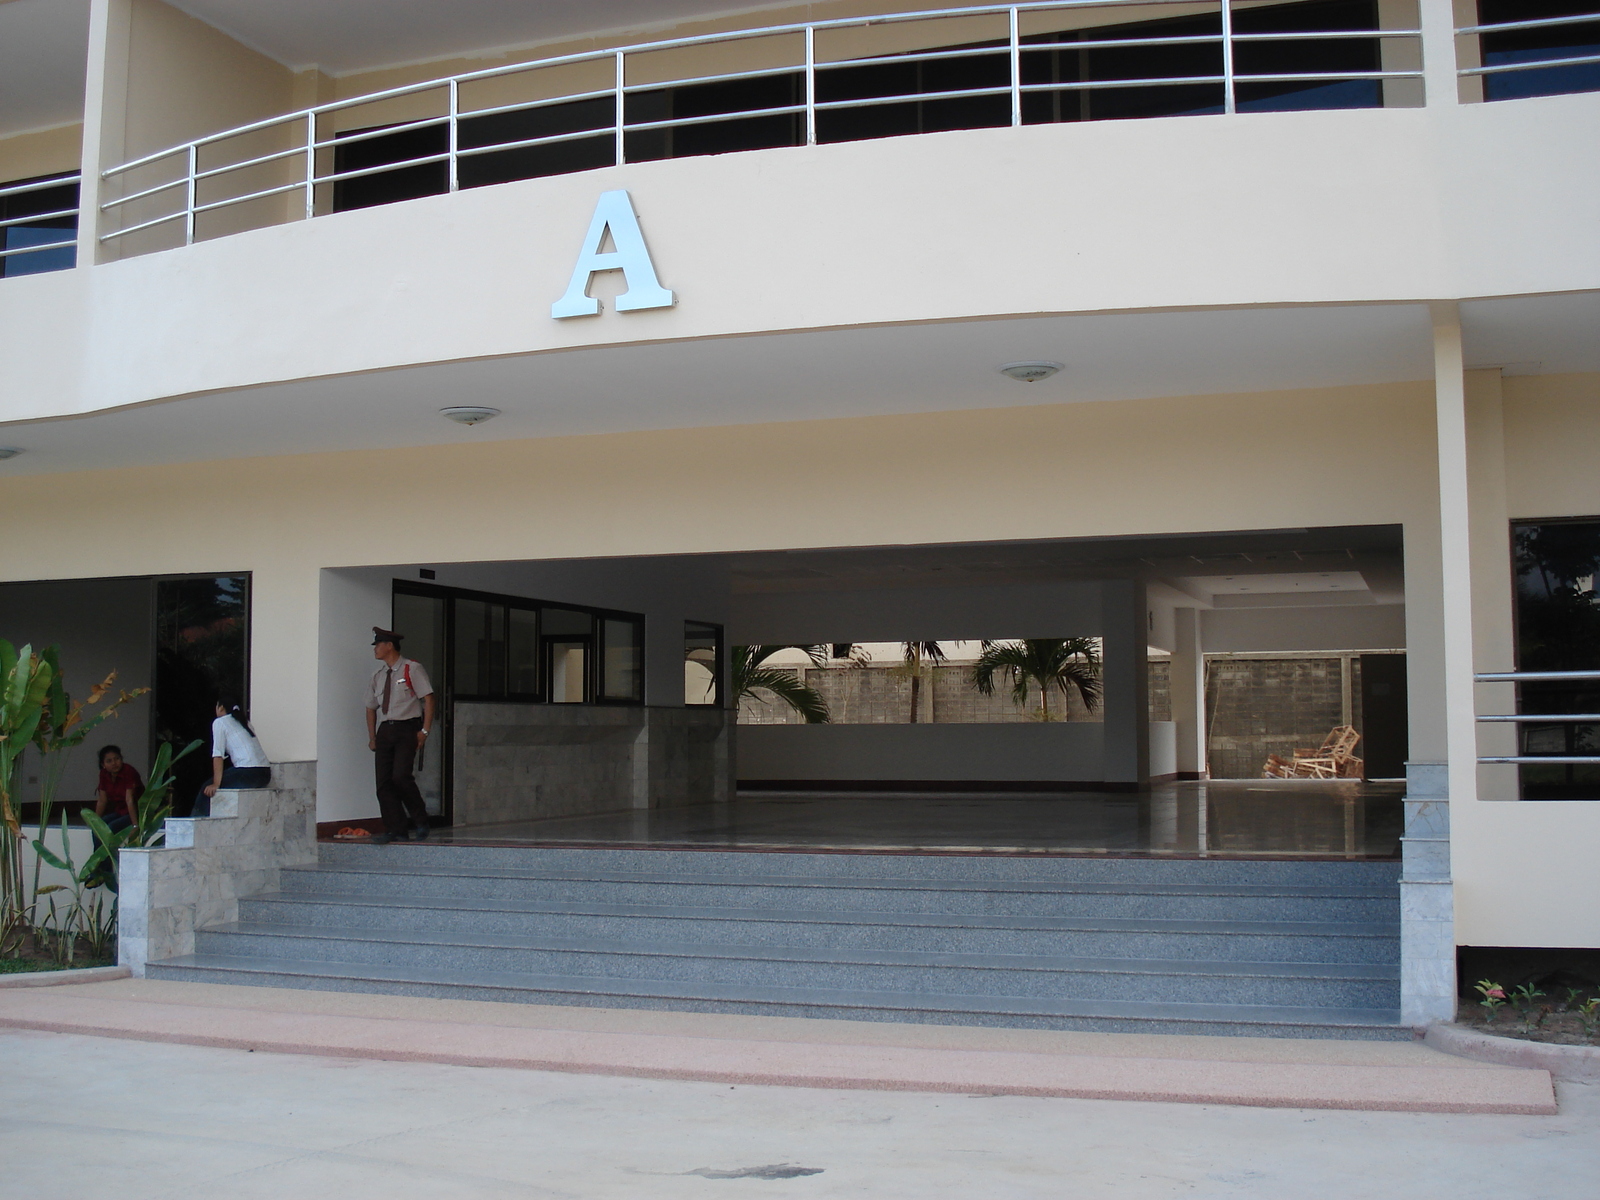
196	877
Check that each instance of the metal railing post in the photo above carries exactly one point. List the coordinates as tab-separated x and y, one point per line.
311	165
622	151
811	85
1228	104
455	141
1016	69
189	192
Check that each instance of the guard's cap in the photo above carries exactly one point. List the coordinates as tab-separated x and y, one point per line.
385	635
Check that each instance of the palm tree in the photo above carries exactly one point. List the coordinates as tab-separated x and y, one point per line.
1064	663
916	653
748	677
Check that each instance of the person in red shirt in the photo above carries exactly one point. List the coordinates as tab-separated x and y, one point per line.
119	790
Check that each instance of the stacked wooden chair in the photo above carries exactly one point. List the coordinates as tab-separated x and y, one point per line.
1334	759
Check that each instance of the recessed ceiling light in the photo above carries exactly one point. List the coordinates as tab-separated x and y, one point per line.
1030	372
10	451
469	414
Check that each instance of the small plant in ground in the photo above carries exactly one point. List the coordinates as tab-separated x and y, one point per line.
1494	999
1571	1003
1525	998
1589	1014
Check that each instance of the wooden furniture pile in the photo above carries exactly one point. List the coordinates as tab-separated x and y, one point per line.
1334	759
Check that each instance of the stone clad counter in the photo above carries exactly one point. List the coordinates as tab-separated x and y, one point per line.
519	762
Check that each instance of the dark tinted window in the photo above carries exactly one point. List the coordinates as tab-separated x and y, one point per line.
43	232
1539	45
1558	629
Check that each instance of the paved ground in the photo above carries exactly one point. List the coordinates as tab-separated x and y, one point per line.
723	1048
98	1116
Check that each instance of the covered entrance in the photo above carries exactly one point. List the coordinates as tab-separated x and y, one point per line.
592	702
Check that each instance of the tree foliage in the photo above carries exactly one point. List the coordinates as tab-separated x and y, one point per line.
1050	664
750	677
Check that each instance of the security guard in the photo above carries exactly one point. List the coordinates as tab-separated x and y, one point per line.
399	719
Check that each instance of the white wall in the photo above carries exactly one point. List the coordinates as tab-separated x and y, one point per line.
351	602
1056	752
890	614
1196	212
1163	748
1335	627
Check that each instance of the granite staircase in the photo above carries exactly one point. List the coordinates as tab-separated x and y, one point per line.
1262	948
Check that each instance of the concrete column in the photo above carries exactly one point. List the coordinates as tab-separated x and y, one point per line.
1427	901
1189	693
1455	554
1125	677
104	115
1438	27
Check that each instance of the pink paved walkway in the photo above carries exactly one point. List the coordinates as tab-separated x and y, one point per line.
749	1050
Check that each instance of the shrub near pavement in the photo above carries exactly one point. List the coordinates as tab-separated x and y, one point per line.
1568	1016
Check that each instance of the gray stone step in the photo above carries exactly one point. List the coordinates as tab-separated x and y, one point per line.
1234	901
1254	941
996	867
594	991
906	972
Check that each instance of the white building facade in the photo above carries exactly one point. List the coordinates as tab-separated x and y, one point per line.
1317	287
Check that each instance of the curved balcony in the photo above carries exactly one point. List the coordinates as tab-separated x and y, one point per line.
791	85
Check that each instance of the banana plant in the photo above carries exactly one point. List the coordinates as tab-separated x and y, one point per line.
62	730
24	694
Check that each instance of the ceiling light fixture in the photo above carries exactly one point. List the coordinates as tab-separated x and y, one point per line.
469	414
10	451
1030	372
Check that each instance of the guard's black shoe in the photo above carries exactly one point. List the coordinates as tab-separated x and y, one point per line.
382	839
420	833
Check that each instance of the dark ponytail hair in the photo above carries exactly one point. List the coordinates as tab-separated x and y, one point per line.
237	711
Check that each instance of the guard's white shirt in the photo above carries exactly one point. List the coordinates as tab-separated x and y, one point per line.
408	685
233	741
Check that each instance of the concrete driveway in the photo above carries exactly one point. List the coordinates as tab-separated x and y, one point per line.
135	1120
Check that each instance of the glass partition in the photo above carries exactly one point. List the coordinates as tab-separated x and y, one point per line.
480	648
622	659
702	663
522	641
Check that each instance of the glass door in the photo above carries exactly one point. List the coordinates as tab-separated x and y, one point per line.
422	621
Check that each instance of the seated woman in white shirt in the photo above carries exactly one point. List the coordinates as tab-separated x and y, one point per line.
232	739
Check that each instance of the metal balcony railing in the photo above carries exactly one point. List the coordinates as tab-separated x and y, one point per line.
1534	57
1540	718
179	185
48	227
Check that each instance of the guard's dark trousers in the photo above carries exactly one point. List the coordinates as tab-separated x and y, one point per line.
398	794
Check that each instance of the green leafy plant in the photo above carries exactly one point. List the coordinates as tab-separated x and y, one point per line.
1052	664
153	808
92	911
1526	998
1589	1014
65	725
24	691
749	677
1494	999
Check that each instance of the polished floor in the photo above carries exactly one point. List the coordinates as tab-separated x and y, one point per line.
1342	819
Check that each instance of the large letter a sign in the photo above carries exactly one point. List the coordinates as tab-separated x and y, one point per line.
614	215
